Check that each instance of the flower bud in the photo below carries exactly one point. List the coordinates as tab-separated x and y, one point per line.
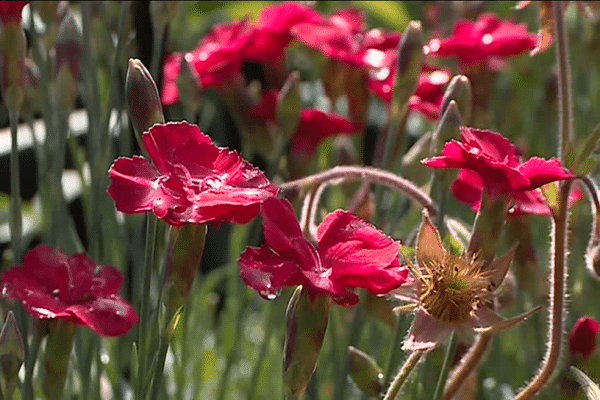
306	323
189	86
582	340
365	372
448	128
12	54
459	90
410	65
67	68
333	79
357	91
186	244
12	353
143	100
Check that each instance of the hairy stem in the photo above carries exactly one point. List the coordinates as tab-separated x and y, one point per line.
593	194
565	98
409	365
557	298
347	173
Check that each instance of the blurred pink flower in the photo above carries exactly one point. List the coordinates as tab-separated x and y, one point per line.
474	43
468	188
51	285
497	162
350	253
10	11
191	181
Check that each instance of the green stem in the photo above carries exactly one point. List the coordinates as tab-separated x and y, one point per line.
159	367
264	347
393	350
448	358
16	211
30	363
151	224
353	336
409	365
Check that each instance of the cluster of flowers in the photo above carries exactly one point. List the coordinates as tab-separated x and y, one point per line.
189	180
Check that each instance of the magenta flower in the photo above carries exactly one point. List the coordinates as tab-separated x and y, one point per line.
217	59
191	181
10	11
51	285
497	162
477	42
350	253
582	340
428	97
273	32
468	188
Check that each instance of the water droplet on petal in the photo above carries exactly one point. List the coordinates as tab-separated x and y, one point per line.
487	39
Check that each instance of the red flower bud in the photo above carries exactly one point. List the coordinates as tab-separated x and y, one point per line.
582	340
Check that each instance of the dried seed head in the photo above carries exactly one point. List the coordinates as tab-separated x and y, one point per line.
450	288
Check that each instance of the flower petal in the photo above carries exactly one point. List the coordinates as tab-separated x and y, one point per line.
486	320
107	316
425	333
540	171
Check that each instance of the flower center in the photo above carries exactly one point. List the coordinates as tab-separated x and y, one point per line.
450	288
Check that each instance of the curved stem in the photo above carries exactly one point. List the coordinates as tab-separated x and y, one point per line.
557	298
409	365
347	173
593	194
467	364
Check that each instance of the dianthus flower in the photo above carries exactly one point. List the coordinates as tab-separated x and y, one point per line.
450	292
350	253
53	286
488	38
497	162
191	181
582	340
468	188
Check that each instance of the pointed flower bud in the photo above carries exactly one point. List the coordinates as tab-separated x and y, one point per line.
67	68
12	54
12	353
186	244
410	64
582	340
306	322
189	87
459	90
365	372
143	100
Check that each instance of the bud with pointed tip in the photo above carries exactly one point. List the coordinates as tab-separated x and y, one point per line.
459	90
582	339
184	251
67	68
12	54
189	86
143	100
365	372
410	65
12	353
306	322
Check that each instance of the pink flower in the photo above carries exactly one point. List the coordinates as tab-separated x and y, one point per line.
217	58
468	188
350	253
51	285
582	340
191	181
496	161
342	37
428	97
477	42
273	32
315	125
10	11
